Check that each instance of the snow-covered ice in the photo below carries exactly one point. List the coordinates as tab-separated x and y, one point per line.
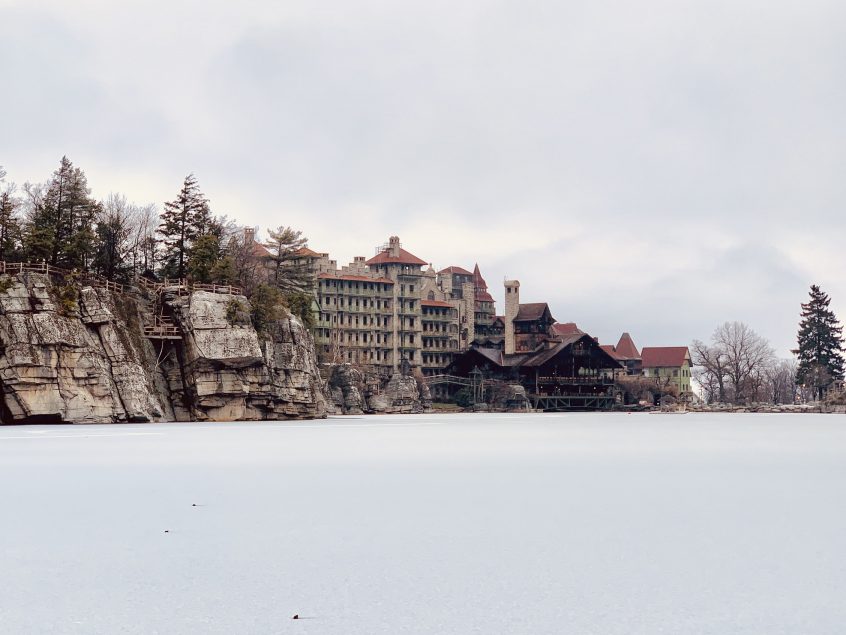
576	523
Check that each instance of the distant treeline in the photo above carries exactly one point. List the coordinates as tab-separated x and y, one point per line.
58	222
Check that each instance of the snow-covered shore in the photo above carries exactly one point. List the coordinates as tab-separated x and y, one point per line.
576	523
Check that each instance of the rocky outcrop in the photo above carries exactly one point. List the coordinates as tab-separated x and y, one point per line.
76	353
72	361
353	392
231	372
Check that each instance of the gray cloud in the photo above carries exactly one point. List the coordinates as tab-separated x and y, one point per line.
654	167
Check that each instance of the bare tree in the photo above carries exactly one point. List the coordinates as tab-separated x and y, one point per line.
781	381
709	363
732	367
143	222
746	355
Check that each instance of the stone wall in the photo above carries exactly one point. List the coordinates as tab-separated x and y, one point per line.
87	361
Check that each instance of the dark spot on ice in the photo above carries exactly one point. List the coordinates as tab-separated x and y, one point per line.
296	617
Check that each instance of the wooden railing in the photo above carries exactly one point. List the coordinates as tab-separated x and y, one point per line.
163	328
580	380
14	268
179	284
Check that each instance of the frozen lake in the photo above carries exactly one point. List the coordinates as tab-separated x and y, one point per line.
576	523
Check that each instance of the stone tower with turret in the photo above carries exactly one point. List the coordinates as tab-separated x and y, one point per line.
512	307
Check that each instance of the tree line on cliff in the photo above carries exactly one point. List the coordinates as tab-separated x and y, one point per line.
60	223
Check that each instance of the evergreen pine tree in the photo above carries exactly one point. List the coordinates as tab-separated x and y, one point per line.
820	341
10	229
289	271
60	230
182	221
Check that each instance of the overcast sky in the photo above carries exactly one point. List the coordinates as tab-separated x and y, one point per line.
657	167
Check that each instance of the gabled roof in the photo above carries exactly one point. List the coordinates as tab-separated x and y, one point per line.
404	258
458	270
609	348
303	252
260	251
626	348
354	278
541	357
532	311
664	356
567	328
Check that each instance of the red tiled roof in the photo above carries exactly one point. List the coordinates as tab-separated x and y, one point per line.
567	328
609	348
435	303
484	296
305	251
325	276
260	250
459	270
404	258
531	311
626	347
664	356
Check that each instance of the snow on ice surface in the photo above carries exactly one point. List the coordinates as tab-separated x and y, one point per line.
576	523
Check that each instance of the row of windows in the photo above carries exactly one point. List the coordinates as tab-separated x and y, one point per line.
367	356
441	359
448	345
655	372
358	303
353	285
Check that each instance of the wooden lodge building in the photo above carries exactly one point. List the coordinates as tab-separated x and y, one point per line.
560	368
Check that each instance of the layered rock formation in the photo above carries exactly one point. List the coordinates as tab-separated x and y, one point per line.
76	353
352	392
231	372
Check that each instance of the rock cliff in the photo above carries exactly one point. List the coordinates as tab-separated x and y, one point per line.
352	391
71	352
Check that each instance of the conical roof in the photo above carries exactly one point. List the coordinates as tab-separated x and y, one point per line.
626	347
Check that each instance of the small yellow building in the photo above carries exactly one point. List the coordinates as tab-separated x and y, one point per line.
669	364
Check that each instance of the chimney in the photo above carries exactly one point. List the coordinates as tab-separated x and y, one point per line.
512	306
249	235
394	246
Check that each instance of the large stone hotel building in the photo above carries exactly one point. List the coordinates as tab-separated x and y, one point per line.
389	312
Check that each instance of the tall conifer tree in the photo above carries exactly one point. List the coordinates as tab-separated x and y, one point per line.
182	221
60	229
289	271
10	229
820	341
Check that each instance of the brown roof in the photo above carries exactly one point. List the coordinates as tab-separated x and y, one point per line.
478	280
324	276
567	328
459	270
539	358
404	258
626	348
484	296
435	303
260	251
609	348
531	312
305	251
664	356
